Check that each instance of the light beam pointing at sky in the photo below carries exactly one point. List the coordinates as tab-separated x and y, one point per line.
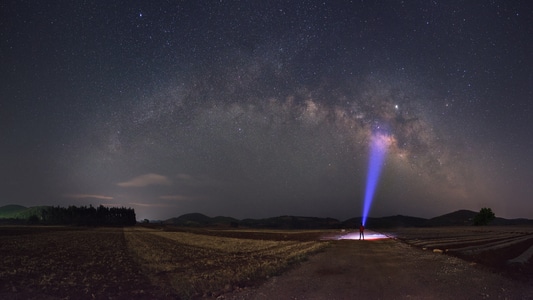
378	150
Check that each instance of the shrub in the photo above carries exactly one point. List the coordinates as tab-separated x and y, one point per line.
484	217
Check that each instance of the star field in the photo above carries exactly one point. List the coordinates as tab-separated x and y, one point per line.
259	109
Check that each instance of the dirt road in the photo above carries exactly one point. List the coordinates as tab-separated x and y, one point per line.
385	269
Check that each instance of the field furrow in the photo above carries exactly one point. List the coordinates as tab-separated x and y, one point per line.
489	246
523	257
508	249
464	242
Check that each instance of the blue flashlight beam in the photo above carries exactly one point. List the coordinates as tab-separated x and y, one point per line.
375	163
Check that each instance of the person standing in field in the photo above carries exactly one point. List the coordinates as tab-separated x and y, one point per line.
362	231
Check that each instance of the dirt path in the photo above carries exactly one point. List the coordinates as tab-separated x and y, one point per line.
385	269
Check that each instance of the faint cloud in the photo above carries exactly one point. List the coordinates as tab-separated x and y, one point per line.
148	204
183	176
146	180
197	180
86	196
176	197
112	204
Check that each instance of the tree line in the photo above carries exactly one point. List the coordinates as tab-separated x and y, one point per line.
86	216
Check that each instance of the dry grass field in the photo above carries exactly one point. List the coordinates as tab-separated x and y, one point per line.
194	264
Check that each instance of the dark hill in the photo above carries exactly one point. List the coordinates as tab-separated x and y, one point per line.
198	219
396	221
292	222
224	220
386	222
10	211
20	212
457	218
501	221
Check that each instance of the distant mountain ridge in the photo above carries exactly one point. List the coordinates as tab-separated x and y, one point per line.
457	218
198	219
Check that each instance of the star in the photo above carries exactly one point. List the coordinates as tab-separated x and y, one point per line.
265	110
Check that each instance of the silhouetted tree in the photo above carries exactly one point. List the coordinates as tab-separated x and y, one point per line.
89	216
33	219
484	217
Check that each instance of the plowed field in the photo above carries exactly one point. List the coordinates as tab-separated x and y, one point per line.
177	263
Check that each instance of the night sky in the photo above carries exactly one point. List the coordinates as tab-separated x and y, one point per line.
256	109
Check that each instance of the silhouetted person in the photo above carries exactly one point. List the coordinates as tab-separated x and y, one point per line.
362	231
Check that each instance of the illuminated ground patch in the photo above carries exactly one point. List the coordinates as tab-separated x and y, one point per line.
354	235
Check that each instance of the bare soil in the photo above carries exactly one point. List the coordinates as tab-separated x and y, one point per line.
70	263
387	269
